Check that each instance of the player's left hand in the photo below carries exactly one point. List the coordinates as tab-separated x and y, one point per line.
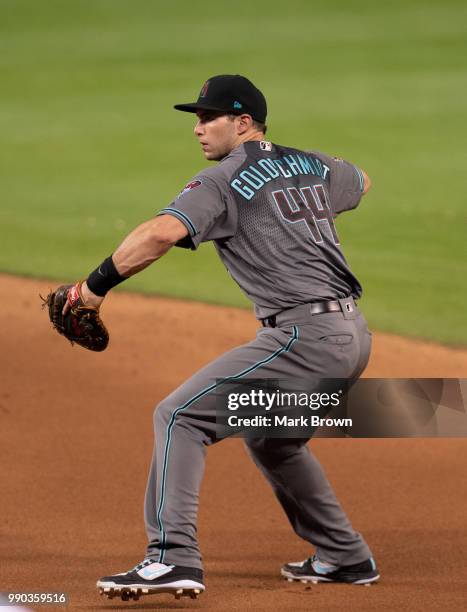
81	291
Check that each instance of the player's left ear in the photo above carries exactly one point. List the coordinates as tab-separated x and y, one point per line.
244	123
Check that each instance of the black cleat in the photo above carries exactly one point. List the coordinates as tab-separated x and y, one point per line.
311	570
150	578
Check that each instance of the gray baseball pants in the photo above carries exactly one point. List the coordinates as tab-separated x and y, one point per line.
330	345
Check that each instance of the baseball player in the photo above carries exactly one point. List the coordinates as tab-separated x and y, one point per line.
269	209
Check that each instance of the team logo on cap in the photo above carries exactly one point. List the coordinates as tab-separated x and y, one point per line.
204	91
189	187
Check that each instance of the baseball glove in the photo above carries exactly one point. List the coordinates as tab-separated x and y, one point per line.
82	323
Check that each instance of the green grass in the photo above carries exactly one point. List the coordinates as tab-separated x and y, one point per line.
91	145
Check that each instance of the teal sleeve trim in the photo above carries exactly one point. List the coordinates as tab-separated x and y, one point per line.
186	405
361	178
180	215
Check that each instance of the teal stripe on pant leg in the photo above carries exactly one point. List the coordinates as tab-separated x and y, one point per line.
187	405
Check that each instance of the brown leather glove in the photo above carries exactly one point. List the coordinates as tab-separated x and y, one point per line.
82	323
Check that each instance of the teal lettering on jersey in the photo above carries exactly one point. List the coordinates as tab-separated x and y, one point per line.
262	176
285	173
253	178
268	166
305	165
293	164
242	189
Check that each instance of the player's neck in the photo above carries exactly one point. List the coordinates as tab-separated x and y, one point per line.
247	136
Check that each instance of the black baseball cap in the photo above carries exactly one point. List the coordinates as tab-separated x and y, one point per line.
229	93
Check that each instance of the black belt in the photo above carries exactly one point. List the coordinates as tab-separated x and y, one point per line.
315	309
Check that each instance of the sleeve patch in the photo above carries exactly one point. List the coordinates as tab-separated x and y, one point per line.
190	186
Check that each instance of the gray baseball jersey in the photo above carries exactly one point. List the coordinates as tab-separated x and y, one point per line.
270	211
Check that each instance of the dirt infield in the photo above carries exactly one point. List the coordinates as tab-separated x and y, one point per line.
75	443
